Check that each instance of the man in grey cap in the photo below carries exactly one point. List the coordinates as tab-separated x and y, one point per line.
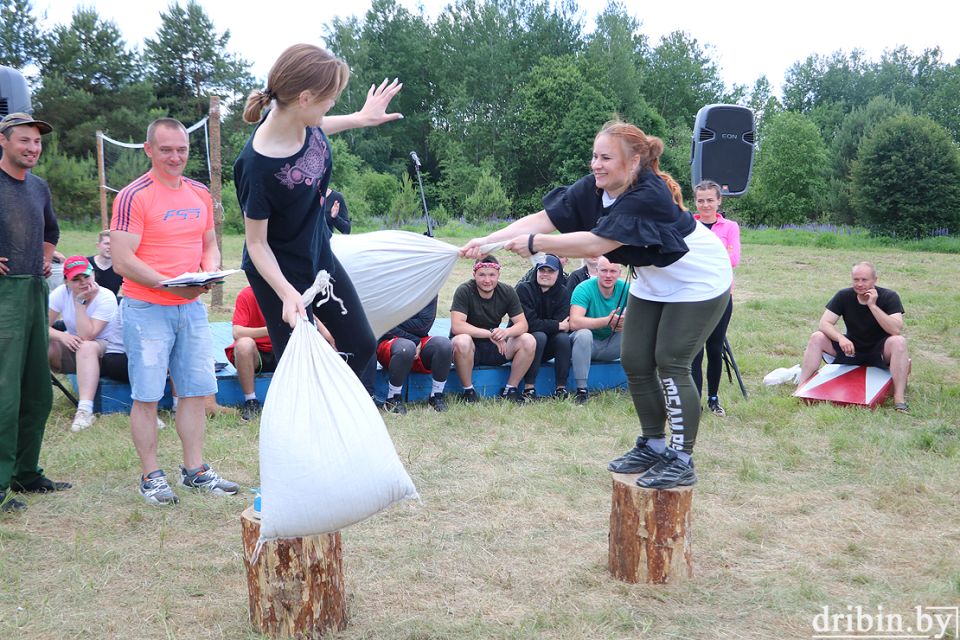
546	305
28	237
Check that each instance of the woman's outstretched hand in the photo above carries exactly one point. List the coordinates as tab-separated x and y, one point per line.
374	111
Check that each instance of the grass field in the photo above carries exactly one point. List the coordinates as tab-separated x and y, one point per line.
798	507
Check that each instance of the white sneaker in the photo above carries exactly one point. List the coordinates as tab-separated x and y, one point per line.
160	424
82	420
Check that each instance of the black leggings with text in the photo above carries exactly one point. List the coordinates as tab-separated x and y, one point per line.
659	342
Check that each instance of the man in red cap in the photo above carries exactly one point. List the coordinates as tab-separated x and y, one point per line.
92	344
28	236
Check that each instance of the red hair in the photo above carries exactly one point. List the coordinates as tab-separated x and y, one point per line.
636	143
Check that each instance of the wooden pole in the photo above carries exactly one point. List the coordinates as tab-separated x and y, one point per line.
650	532
102	175
216	188
296	586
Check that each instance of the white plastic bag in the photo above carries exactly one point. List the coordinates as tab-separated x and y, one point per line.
782	376
326	459
395	273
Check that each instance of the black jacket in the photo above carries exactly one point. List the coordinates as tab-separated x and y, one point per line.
544	310
417	327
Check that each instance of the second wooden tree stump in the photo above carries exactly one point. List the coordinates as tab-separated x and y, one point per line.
650	532
296	586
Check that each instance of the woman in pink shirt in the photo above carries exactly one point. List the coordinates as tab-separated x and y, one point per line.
707	198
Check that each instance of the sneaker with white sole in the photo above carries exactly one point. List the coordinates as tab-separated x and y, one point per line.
713	405
82	420
670	472
156	490
207	480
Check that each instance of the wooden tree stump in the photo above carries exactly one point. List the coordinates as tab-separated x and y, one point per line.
296	586
650	532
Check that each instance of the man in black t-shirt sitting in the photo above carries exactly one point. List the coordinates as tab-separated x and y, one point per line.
479	306
873	317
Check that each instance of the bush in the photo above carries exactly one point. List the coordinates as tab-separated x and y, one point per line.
405	205
906	179
377	191
488	199
790	176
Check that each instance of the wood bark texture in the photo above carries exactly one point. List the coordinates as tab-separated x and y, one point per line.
650	533
296	587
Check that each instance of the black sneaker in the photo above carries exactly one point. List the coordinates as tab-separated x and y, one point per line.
395	405
512	393
437	402
638	460
469	395
250	409
713	405
670	472
561	393
12	505
530	395
582	397
42	484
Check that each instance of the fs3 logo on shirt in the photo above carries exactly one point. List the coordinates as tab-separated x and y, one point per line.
182	214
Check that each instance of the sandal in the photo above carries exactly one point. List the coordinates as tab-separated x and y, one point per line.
901	407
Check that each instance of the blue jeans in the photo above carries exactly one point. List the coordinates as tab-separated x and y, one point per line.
177	338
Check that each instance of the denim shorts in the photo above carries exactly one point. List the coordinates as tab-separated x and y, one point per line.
177	338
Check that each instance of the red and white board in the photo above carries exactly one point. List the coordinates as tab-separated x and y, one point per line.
848	384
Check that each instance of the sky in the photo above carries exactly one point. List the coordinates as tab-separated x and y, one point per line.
746	38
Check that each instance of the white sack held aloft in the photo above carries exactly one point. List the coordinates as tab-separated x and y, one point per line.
326	459
395	273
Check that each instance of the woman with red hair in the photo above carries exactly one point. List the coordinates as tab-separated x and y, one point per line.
632	212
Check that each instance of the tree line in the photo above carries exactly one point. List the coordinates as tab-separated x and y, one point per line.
501	100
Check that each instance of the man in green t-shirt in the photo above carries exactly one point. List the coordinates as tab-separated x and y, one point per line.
478	308
597	309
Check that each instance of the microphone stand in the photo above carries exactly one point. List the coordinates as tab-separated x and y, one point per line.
423	197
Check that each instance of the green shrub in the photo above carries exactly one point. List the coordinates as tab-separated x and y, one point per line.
906	179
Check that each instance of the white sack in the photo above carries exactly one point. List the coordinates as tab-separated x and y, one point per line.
395	273
782	376
326	459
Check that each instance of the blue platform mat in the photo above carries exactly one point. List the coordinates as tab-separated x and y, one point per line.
114	397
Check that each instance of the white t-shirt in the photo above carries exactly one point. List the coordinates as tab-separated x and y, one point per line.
103	307
703	273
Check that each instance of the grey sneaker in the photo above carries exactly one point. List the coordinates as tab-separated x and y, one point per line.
207	480
82	420
638	460
155	489
670	472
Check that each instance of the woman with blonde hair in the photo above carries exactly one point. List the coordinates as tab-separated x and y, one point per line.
281	177
632	212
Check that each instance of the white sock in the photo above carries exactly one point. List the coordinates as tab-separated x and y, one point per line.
657	444
437	387
85	405
468	388
393	391
250	396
